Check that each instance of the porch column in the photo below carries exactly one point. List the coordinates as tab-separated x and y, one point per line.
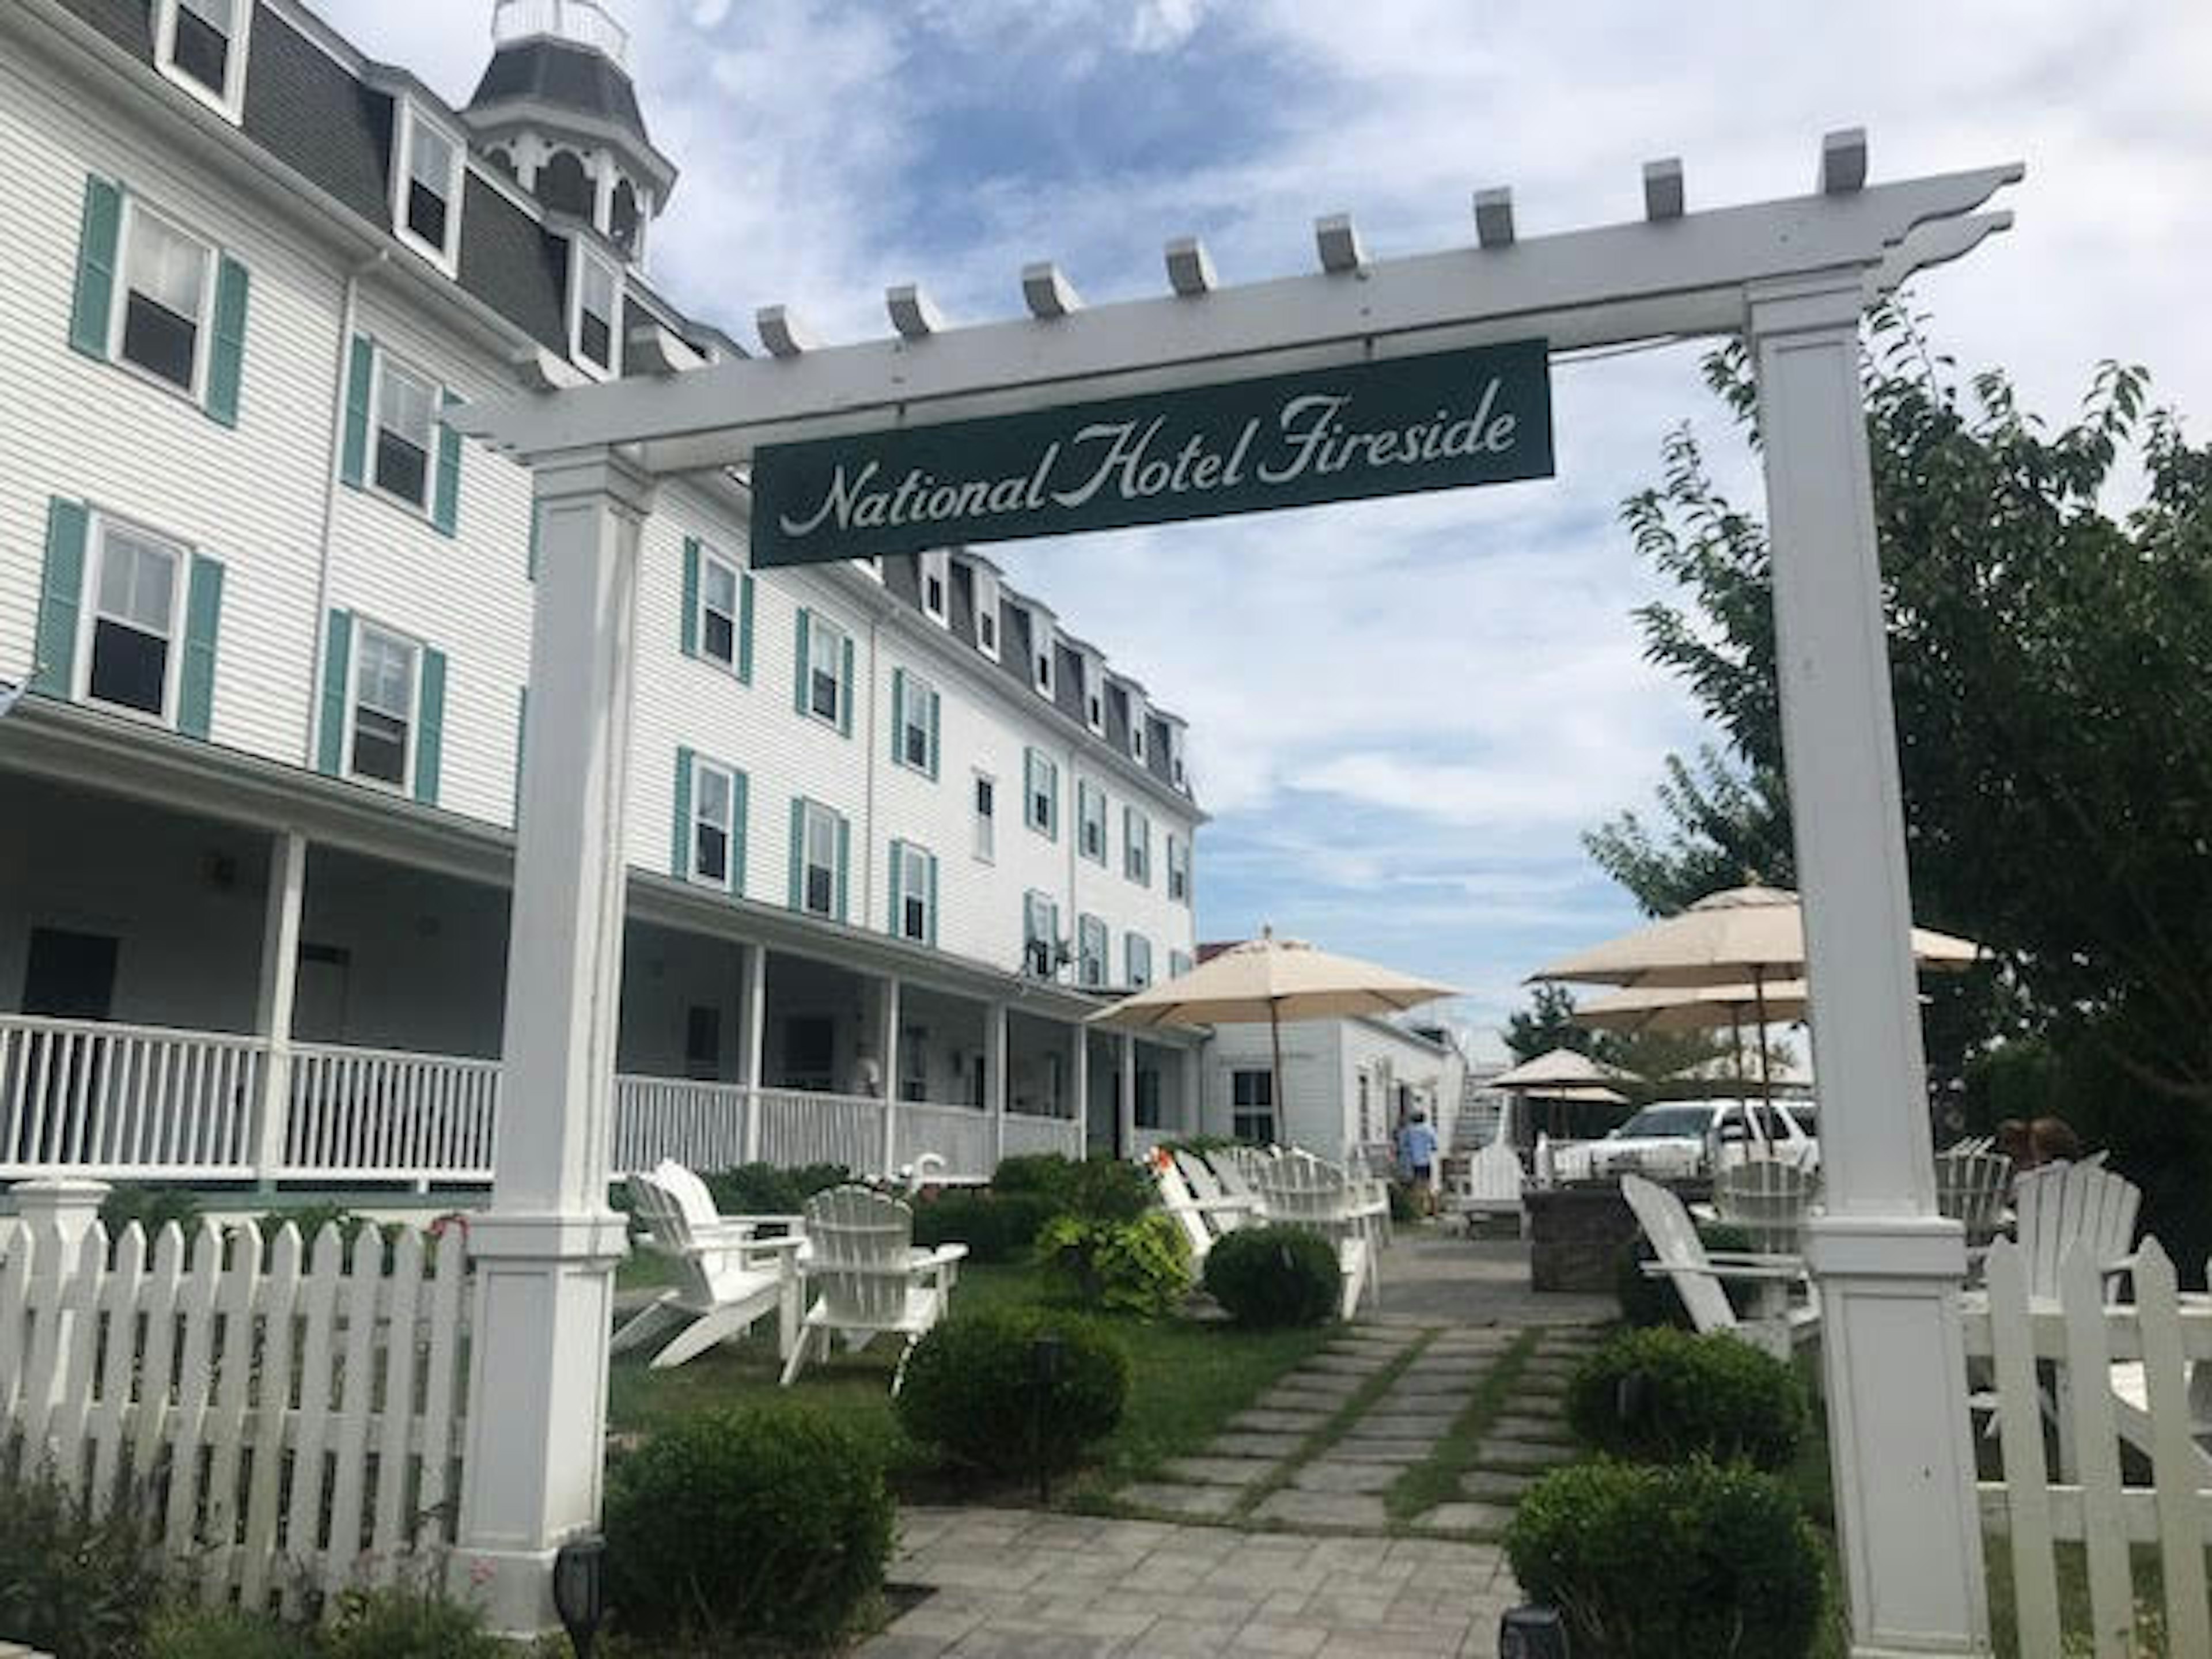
545	1252
1886	1265
272	1004
1125	1100
888	1041
1193	1108
1081	1083
753	1037
994	1077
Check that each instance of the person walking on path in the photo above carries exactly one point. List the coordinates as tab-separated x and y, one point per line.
1417	1156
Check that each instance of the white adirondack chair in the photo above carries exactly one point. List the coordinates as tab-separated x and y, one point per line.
1769	1200
1204	1220
728	1277
1492	1186
1224	1211
867	1277
1303	1192
1971	1184
2061	1203
1697	1275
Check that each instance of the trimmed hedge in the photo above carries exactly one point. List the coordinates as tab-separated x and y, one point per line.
771	1522
1108	1189
1662	1561
1272	1276
1662	1396
994	1226
971	1390
763	1189
1045	1173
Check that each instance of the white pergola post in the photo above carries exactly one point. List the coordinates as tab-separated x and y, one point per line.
272	1004
888	1041
995	1058
545	1252
1081	1084
1888	1267
1125	1098
754	1036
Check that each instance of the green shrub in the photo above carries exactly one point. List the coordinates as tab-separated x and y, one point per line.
1046	1173
1140	1266
994	1226
772	1522
763	1189
1661	1396
72	1583
408	1621
1405	1209
1108	1189
1654	1561
1269	1276
195	1632
151	1207
971	1390
1651	1299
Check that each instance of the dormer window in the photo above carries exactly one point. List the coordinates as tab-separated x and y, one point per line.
1094	697
592	341
1137	734
935	572
622	217
201	46
1041	656
987	613
426	207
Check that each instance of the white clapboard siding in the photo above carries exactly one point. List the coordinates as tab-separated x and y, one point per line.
288	1437
2081	1337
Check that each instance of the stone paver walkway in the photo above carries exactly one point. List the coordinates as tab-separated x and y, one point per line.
1278	1537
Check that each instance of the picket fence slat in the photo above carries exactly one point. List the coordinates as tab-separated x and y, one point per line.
2019	1426
352	1447
119	1308
2096	1439
279	1293
81	1327
442	1380
14	1317
240	1283
2174	1448
398	1407
155	1372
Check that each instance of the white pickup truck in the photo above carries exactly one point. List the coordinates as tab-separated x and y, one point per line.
1678	1139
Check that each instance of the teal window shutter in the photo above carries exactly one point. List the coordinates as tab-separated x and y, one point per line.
844	865
930	865
688	631
227	360
806	624
845	691
360	370
898	861
740	792
430	732
898	717
522	748
338	652
203	621
679	855
97	245
799	852
445	499
935	701
61	598
745	628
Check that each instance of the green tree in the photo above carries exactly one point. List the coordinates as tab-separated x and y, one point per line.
1547	1022
2051	668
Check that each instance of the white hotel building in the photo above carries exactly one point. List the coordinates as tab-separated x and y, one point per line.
893	830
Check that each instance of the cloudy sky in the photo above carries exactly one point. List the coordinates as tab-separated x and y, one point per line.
1404	713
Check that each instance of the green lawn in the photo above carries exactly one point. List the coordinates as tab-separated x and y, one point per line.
1188	1377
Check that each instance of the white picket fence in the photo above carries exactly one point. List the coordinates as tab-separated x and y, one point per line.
2074	1343
293	1425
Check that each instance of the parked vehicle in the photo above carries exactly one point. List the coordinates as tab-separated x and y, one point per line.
1679	1139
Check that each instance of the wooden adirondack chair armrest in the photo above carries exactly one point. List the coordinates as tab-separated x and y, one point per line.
936	1261
757	1253
1209	1205
1717	1270
1732	1260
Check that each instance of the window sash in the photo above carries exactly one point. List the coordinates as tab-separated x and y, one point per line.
718	611
137	588
712	791
819	857
1095	945
914	737
935	572
433	176
826	663
203	43
161	311
913	893
987	814
595	311
406	422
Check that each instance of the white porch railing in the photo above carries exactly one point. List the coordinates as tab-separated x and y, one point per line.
384	1114
701	1125
961	1135
1026	1133
100	1099
799	1127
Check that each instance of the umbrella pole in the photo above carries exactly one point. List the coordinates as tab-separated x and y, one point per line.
1275	1040
1765	1059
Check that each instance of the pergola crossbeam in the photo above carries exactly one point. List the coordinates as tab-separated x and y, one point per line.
1611	285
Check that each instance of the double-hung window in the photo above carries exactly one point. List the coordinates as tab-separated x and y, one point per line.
384	681
201	46
818	860
1090	820
1138	949
1178	964
1040	803
1137	847
935	572
137	598
714	824
826	651
1091	952
167	281
1178	869
913	893
1040	934
987	612
406	431
1252	1107
426	208
915	711
594	335
986	817
718	611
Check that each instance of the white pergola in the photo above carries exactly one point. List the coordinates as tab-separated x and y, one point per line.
1793	277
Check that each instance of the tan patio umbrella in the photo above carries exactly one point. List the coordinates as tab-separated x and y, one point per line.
1697	1008
1273	980
1563	1074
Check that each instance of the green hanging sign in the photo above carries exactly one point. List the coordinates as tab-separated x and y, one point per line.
1394	428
